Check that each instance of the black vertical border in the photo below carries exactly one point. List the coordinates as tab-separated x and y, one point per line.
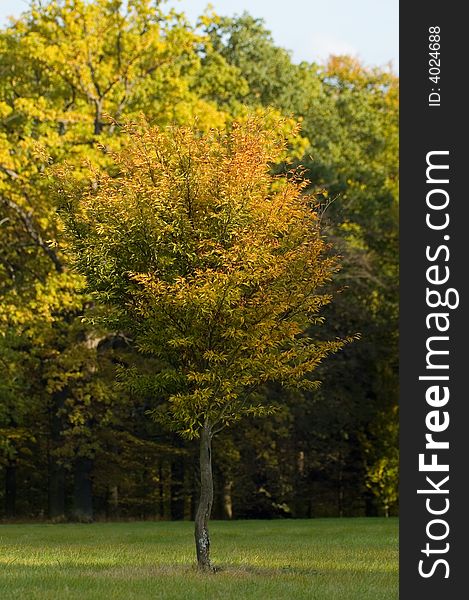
423	129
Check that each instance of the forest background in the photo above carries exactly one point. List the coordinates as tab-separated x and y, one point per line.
72	443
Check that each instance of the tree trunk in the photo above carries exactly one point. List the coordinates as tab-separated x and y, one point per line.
166	489
340	493
98	124
10	490
188	490
177	488
56	499
82	491
228	500
202	538
113	501
56	491
370	505
164	474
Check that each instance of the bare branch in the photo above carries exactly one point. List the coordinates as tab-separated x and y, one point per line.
33	232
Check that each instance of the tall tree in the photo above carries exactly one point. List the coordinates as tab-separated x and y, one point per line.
214	266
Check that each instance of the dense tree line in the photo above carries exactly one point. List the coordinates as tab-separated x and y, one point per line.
75	442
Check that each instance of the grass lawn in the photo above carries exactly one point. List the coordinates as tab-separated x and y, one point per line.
318	559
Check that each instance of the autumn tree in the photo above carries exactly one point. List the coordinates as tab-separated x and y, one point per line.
213	265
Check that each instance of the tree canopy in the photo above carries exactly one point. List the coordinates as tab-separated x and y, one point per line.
213	265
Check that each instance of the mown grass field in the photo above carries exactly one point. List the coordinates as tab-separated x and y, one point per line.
319	559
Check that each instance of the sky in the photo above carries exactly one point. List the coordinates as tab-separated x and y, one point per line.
310	29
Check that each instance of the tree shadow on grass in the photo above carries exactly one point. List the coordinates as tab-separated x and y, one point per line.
248	570
18	569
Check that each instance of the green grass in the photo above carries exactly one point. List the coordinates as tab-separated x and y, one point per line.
319	559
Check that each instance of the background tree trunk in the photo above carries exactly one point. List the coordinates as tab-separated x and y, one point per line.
10	489
166	489
164	473
228	500
114	501
202	538
188	485
56	496
56	492
177	489
82	490
98	115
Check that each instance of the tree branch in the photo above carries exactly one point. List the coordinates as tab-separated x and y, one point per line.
27	220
